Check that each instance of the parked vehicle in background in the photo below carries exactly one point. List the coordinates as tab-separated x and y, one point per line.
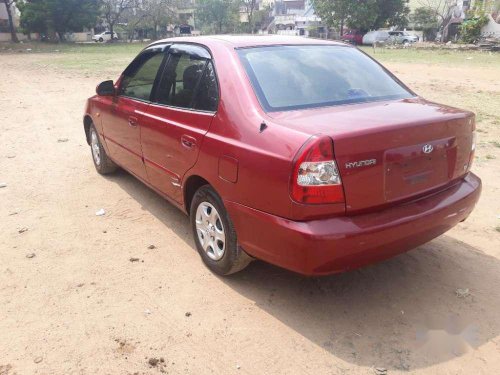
353	37
402	37
303	153
104	37
376	36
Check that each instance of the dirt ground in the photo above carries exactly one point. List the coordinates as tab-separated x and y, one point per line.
72	302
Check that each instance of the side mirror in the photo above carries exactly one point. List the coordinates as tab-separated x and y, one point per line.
106	88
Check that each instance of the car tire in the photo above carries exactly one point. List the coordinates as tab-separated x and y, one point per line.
103	164
214	234
101	40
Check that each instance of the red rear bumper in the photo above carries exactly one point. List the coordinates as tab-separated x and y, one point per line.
338	244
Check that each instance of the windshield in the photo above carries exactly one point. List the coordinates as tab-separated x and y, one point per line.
293	77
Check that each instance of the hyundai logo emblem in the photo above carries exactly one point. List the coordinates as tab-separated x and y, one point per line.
427	149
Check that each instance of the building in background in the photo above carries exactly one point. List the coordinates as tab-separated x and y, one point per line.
458	11
4	18
4	23
186	14
296	17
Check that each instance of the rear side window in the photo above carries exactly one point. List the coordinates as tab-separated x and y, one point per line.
207	94
180	81
293	77
140	76
188	82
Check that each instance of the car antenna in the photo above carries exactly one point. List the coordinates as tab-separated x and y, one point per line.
263	126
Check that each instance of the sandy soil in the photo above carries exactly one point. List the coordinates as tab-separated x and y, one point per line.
72	302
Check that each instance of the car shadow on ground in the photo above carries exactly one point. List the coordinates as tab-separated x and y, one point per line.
425	307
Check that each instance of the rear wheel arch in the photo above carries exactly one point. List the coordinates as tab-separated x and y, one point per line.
213	229
192	184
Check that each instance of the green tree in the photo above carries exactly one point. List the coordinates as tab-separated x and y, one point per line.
470	29
33	16
218	16
261	18
334	12
424	18
392	13
249	8
58	16
159	13
134	19
113	11
363	14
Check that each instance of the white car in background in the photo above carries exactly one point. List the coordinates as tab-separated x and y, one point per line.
402	37
104	37
376	36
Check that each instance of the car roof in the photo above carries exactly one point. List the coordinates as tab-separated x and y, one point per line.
241	41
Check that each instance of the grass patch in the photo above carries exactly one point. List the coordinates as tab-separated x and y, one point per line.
443	57
87	58
94	58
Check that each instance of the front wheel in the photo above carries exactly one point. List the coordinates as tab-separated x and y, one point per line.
214	234
103	164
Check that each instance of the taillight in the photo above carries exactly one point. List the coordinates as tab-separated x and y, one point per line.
315	177
472	150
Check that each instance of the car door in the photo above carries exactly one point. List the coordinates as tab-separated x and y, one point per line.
122	119
173	128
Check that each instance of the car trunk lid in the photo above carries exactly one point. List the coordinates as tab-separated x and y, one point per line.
388	152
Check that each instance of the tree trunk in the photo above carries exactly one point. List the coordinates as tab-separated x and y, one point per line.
12	27
61	36
155	31
250	19
111	29
341	27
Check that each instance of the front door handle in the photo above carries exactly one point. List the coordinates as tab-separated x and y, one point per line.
132	121
188	142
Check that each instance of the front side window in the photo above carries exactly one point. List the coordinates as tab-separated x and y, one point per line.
139	77
188	82
293	77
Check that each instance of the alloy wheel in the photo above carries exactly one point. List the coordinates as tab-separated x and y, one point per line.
94	144
210	231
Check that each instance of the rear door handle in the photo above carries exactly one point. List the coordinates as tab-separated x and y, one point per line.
188	142
132	121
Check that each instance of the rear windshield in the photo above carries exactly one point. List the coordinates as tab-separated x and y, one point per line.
294	77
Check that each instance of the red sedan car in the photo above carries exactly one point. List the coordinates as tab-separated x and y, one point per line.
303	153
353	37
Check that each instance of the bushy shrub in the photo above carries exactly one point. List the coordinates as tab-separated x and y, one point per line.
470	29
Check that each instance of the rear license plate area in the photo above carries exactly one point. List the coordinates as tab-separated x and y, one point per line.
410	171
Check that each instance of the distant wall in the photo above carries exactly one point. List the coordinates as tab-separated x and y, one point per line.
491	29
287	32
70	37
5	37
79	37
